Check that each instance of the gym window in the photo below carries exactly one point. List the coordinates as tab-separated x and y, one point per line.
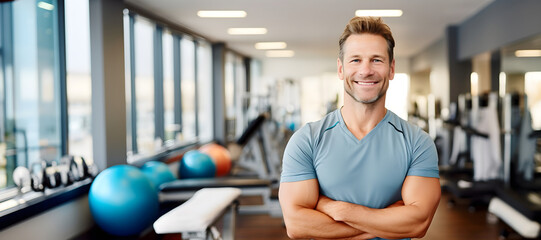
78	78
32	68
141	85
188	89
44	65
235	95
46	86
205	115
165	69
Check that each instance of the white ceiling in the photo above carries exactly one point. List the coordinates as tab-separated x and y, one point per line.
311	28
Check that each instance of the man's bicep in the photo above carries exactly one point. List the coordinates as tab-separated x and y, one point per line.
422	192
302	194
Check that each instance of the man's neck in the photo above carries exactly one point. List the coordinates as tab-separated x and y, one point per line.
361	118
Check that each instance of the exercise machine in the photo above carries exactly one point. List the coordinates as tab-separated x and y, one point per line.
476	140
518	202
260	154
256	173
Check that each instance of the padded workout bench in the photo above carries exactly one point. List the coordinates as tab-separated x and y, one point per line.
195	218
521	211
181	190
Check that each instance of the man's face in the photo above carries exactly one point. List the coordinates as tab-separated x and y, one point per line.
366	68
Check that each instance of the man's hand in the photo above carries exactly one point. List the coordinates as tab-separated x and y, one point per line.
326	205
329	206
363	236
298	201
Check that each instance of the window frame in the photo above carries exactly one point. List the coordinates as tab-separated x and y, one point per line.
39	202
134	154
7	79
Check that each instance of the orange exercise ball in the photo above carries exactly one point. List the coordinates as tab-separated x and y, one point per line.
220	156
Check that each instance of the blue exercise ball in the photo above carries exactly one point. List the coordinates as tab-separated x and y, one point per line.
158	173
123	200
196	164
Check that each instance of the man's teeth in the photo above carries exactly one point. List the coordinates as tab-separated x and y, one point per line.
366	83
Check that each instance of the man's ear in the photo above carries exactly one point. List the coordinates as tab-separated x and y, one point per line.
340	67
391	71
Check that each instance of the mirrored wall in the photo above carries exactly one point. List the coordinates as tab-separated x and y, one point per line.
521	73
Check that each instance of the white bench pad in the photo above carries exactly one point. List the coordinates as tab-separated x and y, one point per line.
198	213
524	226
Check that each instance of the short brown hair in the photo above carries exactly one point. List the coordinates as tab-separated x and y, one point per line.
373	25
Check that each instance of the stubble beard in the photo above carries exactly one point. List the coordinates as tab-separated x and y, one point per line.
349	91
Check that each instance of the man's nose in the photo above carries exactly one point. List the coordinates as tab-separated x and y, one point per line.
365	69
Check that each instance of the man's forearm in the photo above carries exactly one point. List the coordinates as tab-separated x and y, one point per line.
398	222
309	223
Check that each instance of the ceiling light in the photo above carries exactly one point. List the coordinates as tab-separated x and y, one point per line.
221	14
246	31
528	53
474	83
46	6
379	13
270	45
280	53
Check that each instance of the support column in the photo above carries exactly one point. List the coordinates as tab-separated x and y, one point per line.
495	69
108	82
459	71
218	91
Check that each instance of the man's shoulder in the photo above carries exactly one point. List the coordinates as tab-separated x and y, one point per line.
406	128
330	120
313	131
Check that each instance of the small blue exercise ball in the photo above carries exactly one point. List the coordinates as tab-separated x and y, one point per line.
158	173
123	201
196	164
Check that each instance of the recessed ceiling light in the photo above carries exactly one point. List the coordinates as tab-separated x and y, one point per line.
221	14
379	13
270	45
246	31
46	6
280	53
528	53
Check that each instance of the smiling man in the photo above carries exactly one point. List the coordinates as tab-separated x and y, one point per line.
361	172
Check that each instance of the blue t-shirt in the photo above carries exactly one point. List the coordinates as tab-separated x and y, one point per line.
370	171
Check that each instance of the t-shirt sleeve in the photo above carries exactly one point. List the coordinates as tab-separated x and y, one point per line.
424	157
297	161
